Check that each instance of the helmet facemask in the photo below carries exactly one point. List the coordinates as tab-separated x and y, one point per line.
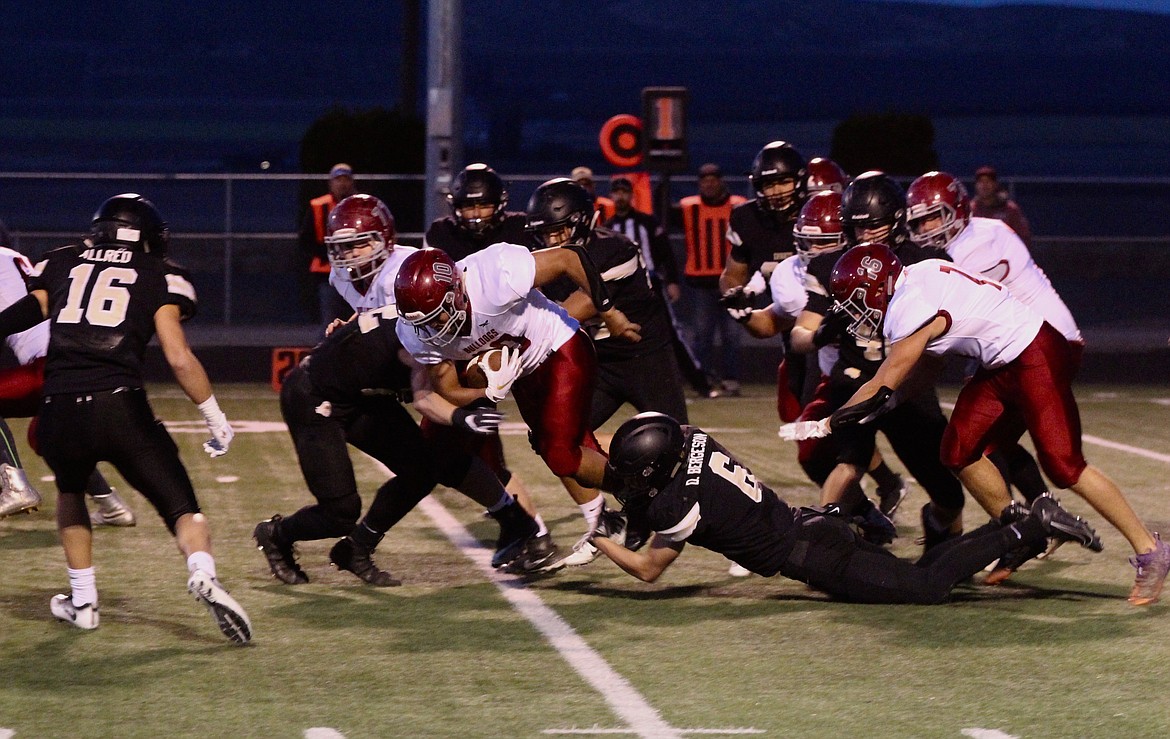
949	226
358	256
574	230
811	242
785	195
443	324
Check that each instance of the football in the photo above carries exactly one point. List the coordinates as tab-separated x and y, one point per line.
473	375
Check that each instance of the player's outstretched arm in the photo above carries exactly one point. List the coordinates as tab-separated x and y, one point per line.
575	263
647	564
438	409
192	378
24	313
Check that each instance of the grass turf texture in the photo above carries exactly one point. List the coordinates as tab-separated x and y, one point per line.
1055	652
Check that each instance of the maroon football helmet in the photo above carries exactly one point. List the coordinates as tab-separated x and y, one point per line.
936	196
430	296
818	227
360	236
825	174
862	283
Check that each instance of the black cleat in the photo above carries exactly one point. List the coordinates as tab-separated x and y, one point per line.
933	532
1013	561
350	556
1060	524
538	553
516	529
282	560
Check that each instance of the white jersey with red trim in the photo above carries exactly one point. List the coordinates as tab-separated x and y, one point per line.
990	248
381	291
789	297
506	310
984	321
27	345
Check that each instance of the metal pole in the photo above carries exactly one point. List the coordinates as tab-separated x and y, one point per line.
444	102
227	251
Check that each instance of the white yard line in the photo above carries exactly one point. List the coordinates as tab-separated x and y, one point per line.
626	702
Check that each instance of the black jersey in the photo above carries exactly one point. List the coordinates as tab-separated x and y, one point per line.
620	264
858	359
360	359
458	242
759	238
715	502
102	301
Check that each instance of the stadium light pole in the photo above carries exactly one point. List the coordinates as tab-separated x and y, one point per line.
444	102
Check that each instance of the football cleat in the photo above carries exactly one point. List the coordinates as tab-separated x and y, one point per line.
1061	524
1151	573
738	570
874	526
17	495
350	556
111	511
516	529
933	532
538	553
282	559
229	616
83	617
889	498
1012	561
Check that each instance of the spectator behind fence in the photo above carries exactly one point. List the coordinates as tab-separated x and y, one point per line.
704	219
321	300
993	201
583	176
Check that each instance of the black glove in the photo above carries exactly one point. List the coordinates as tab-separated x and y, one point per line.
832	326
477	420
738	303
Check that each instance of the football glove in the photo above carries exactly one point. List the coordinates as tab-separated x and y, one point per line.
499	381
478	420
217	424
832	326
738	303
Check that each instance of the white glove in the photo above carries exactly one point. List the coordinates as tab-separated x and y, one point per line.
801	430
499	382
217	424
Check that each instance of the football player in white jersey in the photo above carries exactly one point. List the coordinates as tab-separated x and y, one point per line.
1026	366
20	395
456	311
938	214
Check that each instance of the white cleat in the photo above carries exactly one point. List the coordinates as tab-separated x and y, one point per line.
17	495
229	616
83	617
111	511
738	570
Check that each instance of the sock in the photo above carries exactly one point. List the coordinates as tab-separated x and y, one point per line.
364	536
540	522
504	501
201	561
84	586
592	511
885	477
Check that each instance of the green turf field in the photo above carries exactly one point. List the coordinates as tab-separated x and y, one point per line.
1057	652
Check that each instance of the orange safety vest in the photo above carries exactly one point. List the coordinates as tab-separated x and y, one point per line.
321	207
604	206
706	231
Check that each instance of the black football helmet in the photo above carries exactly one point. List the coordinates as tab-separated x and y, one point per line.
779	161
873	208
561	213
130	220
477	184
644	454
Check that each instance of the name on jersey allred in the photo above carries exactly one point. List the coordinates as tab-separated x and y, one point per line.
121	256
695	458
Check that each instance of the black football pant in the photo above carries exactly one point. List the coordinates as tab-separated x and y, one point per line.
651	382
831	557
381	428
75	432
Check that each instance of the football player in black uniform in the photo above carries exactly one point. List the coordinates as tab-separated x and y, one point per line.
643	374
106	298
873	207
479	218
690	488
351	390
